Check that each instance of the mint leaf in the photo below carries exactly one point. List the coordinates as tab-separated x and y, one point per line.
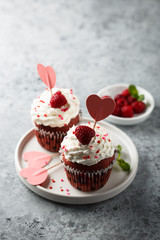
133	91
119	149
140	98
124	165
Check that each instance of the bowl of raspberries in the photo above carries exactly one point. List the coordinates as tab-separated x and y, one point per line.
133	104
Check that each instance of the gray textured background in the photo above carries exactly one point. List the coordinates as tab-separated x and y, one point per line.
90	44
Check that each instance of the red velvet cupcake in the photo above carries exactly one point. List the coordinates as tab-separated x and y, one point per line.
54	116
88	157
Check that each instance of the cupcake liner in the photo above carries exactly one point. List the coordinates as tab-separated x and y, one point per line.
88	181
51	141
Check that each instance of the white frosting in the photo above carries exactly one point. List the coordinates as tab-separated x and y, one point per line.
100	147
43	114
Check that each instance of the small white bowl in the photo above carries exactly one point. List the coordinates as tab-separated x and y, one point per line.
113	90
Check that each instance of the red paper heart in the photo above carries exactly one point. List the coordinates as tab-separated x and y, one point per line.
100	108
47	75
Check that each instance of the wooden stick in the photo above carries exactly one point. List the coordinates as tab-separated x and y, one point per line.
53	166
94	124
51	92
54	155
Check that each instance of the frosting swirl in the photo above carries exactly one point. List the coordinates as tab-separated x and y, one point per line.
100	147
43	114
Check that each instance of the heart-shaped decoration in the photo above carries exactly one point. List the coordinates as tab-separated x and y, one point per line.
36	159
35	176
47	75
100	108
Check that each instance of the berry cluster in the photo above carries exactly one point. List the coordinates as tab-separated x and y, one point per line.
129	102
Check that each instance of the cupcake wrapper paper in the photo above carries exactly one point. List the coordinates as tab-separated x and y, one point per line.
49	141
88	181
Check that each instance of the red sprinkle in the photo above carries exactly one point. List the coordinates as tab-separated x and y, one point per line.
45	115
98	141
62	180
42	101
96	157
97	135
62	190
50	187
88	156
105	134
73	132
98	127
38	116
65	124
38	106
73	97
53	180
97	151
89	123
109	140
84	157
91	146
64	109
103	138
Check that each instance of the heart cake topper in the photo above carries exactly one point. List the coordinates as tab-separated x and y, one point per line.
99	108
37	159
47	75
34	173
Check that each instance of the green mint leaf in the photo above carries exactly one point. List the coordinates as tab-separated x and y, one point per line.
119	149
133	91
124	165
140	98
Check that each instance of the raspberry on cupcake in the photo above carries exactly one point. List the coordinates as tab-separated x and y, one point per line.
53	113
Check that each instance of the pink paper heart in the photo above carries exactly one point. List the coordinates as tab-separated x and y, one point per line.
100	108
47	75
36	159
35	176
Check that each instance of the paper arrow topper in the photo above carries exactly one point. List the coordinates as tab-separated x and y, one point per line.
100	108
47	75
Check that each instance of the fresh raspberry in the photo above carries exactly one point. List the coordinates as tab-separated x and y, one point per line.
116	110
138	106
126	93
118	96
121	102
131	99
127	111
58	100
84	134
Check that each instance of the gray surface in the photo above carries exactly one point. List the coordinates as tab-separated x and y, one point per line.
90	44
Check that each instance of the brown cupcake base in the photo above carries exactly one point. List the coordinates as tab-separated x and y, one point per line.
51	138
50	141
82	181
88	178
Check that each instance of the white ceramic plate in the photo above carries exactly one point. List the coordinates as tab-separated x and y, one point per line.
62	191
113	90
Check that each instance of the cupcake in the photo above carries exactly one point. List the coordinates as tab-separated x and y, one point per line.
88	156
54	116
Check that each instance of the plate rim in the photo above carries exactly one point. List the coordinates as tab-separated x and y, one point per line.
134	120
92	195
